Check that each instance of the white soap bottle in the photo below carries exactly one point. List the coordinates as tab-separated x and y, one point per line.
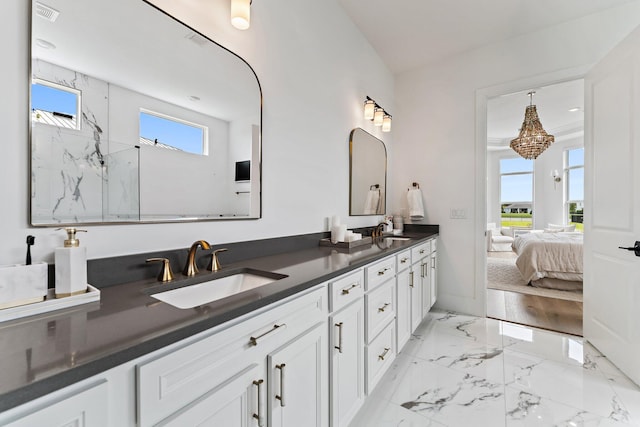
71	266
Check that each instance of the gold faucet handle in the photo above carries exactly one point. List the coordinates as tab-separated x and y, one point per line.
166	275
215	264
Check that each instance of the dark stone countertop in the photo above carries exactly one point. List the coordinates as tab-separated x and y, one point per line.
44	353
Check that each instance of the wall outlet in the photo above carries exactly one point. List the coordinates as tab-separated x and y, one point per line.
458	213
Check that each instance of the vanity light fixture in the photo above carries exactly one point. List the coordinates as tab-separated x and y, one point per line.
369	108
374	112
241	14
533	139
386	122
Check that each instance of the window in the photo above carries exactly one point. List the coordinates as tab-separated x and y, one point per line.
574	187
171	133
54	104
516	192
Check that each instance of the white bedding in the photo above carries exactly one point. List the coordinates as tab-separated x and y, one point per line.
553	255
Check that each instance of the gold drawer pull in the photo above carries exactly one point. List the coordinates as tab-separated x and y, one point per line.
280	396
421	251
381	309
254	340
259	415
411	279
384	353
384	270
346	290
404	260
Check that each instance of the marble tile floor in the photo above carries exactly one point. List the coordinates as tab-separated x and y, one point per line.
464	371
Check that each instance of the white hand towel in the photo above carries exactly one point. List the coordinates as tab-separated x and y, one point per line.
371	203
414	199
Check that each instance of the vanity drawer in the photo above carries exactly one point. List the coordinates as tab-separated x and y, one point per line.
421	251
179	377
345	289
380	355
380	307
403	260
379	272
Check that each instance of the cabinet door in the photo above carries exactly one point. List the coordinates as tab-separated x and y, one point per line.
425	282
297	378
347	363
416	296
403	312
433	278
238	402
88	407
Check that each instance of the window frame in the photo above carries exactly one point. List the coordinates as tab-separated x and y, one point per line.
530	172
63	88
565	176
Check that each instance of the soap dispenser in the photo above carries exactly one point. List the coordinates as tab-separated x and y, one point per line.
71	266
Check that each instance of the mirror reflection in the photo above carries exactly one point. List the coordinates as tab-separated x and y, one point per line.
368	174
136	117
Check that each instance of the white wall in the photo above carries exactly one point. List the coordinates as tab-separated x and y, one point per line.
435	133
548	199
315	69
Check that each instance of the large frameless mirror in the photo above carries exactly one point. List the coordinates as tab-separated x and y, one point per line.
367	174
136	117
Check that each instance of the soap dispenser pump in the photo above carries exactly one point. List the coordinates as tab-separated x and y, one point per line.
71	266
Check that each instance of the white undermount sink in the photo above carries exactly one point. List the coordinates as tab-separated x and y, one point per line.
202	293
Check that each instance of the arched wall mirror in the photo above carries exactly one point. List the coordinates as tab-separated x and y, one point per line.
367	174
136	117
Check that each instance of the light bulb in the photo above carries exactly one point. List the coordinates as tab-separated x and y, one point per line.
386	123
369	107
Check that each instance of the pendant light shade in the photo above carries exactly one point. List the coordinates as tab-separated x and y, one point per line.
386	123
241	14
369	107
378	117
533	139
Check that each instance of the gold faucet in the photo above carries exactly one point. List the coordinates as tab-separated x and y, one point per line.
215	263
378	230
191	268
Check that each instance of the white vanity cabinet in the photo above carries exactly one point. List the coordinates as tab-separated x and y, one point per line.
346	347
433	275
72	406
420	256
403	298
171	385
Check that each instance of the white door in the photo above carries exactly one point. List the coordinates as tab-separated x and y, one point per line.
298	380
612	204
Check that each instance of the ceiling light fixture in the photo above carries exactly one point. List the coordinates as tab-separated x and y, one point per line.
533	139
241	14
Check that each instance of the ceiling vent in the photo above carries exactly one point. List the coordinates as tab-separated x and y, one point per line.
196	38
46	12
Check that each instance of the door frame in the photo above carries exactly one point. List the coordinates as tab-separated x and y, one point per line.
482	97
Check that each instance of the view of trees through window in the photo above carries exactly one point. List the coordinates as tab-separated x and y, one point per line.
516	192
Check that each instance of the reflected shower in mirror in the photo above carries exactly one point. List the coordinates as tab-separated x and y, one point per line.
136	117
368	174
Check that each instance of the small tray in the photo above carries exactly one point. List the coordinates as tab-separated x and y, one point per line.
50	303
347	245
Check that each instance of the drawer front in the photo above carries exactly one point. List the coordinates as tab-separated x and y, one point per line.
379	272
380	307
380	355
421	251
403	260
345	289
170	382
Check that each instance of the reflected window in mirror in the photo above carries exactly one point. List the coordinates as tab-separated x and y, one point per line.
172	133
367	174
55	104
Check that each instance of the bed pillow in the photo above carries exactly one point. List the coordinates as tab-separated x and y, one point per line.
554	228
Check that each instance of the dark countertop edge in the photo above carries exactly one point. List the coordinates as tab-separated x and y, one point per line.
55	382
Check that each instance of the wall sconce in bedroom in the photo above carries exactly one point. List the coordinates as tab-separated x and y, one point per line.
374	112
556	178
241	14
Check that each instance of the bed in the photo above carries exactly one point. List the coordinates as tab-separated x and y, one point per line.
550	260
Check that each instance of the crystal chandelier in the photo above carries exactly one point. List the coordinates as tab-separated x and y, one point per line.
533	139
